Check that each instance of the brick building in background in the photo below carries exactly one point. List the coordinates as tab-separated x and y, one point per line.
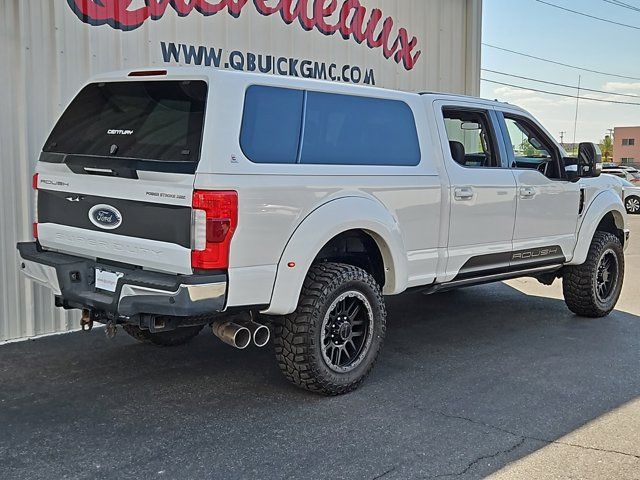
626	145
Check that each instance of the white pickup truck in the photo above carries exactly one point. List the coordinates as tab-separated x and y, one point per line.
168	200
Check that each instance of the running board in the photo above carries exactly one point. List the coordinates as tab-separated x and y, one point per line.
497	277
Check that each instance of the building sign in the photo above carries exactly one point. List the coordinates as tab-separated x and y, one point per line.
348	18
257	62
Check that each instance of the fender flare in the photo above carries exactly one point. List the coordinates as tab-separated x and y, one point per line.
323	224
605	203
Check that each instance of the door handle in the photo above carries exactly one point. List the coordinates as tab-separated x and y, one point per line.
527	192
463	193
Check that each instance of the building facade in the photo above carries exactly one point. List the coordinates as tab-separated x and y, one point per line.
50	48
626	145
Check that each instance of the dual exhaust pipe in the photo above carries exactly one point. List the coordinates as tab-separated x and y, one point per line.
240	331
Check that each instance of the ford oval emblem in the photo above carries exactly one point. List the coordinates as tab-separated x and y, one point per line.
105	217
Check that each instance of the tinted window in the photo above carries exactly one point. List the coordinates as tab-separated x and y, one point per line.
351	130
292	126
154	120
271	124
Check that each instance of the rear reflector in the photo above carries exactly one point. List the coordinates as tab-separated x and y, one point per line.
215	218
35	230
148	73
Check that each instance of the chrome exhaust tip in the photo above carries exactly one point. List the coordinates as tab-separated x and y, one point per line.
232	334
259	332
261	335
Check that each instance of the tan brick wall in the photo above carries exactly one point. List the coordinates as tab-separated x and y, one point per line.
620	151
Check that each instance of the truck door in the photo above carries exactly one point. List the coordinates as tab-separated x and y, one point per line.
548	204
482	192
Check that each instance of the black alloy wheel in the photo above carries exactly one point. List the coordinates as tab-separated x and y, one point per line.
347	331
607	277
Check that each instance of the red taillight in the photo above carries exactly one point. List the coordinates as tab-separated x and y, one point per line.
34	185
215	220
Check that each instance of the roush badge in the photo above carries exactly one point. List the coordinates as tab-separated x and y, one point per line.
105	217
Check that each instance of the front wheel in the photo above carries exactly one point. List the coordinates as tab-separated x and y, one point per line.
330	343
593	288
632	204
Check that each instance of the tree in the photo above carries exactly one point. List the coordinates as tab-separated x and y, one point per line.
606	147
527	149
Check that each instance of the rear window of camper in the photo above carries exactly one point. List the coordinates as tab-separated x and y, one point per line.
143	120
285	126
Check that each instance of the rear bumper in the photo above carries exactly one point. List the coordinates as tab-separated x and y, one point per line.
72	280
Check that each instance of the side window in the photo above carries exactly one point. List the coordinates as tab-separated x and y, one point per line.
281	125
531	148
353	130
470	138
271	124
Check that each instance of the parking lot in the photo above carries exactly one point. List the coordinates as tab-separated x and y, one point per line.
496	380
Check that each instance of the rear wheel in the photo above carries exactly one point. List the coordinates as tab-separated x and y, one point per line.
171	338
330	343
632	204
593	288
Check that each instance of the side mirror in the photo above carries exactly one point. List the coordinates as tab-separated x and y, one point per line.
589	160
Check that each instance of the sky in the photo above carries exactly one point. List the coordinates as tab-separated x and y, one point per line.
534	28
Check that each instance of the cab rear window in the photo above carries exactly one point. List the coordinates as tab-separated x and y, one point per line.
148	120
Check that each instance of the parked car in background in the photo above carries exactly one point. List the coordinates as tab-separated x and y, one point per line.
631	195
631	174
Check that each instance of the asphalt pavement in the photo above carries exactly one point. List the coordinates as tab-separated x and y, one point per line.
499	380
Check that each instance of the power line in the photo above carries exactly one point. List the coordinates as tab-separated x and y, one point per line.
559	84
520	87
584	69
635	27
623	5
575	125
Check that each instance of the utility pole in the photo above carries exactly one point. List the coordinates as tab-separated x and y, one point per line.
575	125
611	132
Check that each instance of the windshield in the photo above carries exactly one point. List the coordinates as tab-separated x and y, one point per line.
150	120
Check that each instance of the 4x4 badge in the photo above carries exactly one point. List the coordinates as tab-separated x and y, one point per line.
105	217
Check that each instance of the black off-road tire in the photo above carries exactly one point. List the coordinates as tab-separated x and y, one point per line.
579	283
297	337
170	338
